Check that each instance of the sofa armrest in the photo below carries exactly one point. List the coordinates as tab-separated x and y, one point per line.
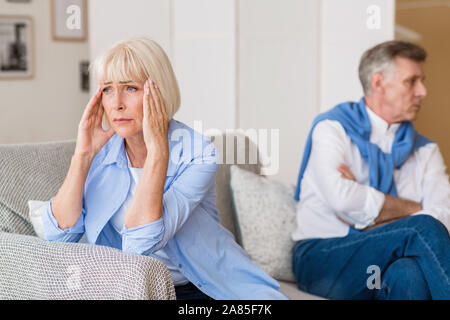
32	268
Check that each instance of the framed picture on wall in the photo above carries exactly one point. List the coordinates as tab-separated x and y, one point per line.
16	47
69	20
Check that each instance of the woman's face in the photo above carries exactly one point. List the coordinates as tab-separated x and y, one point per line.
122	102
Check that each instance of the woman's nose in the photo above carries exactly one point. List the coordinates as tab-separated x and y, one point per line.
117	101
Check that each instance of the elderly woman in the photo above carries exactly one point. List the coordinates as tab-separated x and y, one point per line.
137	188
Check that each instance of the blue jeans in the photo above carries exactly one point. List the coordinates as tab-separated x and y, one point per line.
412	256
190	292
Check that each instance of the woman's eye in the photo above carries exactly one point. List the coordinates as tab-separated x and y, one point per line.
132	89
106	90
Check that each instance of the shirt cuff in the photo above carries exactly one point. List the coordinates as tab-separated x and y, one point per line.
142	239
51	228
372	207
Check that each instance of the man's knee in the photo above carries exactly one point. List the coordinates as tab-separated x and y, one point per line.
430	225
404	279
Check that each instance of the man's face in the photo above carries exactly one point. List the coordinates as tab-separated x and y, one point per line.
403	91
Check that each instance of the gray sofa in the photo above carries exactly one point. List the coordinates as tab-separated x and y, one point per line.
32	268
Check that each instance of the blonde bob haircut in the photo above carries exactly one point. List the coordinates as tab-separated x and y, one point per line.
139	59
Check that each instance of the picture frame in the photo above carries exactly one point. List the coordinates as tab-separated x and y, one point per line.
16	47
69	20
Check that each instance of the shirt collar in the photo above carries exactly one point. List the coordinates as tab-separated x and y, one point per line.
116	152
379	125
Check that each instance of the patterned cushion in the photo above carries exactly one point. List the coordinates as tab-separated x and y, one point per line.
32	171
32	268
265	212
229	147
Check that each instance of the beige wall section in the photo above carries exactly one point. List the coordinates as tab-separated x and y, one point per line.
47	107
432	23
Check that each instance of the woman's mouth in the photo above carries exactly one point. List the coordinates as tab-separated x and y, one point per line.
122	121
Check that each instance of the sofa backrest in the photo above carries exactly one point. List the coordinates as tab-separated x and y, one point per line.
30	172
36	171
233	149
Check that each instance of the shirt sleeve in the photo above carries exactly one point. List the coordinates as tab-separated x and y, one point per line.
179	200
436	188
353	202
54	233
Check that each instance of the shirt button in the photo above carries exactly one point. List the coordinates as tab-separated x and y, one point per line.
180	266
199	285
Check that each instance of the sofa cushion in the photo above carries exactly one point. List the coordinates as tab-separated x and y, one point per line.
265	212
290	290
232	148
30	171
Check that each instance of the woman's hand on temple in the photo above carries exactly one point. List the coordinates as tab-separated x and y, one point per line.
147	203
155	123
91	137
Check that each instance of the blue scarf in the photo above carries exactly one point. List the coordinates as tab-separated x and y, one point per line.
355	120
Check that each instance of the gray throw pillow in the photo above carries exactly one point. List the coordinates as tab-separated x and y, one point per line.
265	213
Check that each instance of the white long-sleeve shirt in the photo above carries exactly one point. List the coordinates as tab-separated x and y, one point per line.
329	203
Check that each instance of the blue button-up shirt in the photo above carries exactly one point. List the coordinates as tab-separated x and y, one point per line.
189	229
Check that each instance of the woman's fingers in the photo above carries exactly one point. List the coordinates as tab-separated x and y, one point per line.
92	103
89	113
146	105
99	115
156	98
95	98
152	99
154	108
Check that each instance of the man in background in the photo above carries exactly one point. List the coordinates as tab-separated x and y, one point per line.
373	193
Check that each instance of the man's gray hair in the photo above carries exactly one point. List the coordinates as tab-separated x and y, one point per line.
381	58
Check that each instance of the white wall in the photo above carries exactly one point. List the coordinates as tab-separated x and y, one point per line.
47	107
348	28
204	57
250	64
278	73
198	36
253	64
111	21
